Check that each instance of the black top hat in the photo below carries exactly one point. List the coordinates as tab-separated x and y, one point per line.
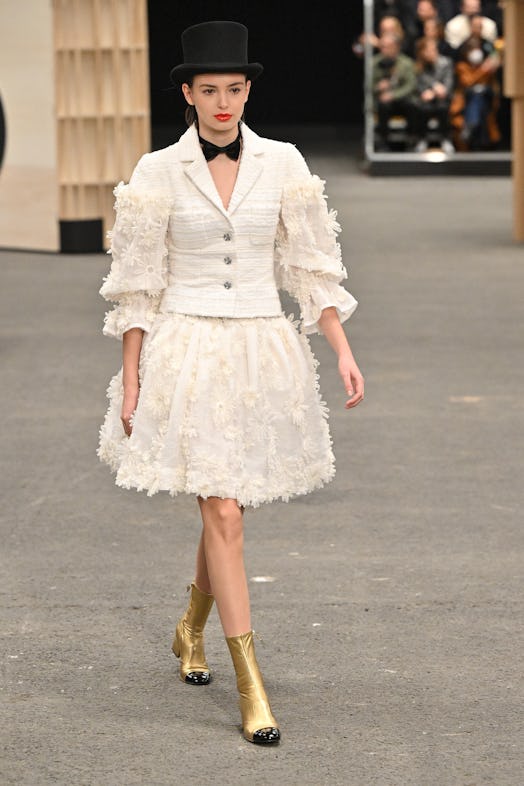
215	47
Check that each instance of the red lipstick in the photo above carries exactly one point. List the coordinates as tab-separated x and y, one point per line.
223	118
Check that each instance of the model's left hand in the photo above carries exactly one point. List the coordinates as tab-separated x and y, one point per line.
352	379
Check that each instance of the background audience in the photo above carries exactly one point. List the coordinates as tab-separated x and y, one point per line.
425	11
388	24
434	29
393	84
476	99
458	29
438	65
434	88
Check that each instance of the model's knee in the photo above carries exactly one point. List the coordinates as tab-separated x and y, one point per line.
222	519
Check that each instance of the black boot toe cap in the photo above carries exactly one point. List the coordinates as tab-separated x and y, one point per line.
266	736
198	677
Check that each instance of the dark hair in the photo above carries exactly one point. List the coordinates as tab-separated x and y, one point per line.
420	46
190	115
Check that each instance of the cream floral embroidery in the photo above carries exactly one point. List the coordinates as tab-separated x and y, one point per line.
308	257
133	309
138	243
139	269
200	432
229	405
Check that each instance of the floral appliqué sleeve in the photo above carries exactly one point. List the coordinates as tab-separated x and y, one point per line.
308	259
138	272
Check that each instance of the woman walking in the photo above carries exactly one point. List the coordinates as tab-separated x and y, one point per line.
218	394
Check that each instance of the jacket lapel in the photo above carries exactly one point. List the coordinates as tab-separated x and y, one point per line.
250	169
198	172
197	169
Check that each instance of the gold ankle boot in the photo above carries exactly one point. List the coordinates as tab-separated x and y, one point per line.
258	723
188	644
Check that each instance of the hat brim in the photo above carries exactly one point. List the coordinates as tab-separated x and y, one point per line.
181	73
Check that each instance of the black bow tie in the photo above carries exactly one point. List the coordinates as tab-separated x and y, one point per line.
210	150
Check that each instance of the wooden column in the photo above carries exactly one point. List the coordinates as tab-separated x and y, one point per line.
102	109
514	89
75	98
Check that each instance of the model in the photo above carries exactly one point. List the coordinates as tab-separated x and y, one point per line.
218	394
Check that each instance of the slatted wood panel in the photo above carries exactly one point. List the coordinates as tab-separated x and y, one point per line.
102	101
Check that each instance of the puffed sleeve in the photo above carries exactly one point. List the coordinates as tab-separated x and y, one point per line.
138	272
308	259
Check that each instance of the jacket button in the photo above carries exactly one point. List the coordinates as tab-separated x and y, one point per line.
227	236
227	260
227	284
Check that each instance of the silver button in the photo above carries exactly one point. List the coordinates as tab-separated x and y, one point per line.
227	236
228	284
227	260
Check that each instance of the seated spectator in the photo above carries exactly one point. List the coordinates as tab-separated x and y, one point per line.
391	25
388	25
425	10
434	89
434	29
458	29
402	9
488	46
393	84
476	100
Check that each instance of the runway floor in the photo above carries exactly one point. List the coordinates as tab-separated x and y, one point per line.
391	617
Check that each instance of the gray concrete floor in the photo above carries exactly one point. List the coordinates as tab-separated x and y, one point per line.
392	633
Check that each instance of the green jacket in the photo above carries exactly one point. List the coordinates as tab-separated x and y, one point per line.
402	76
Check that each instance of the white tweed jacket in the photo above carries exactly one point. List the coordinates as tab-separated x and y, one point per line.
176	248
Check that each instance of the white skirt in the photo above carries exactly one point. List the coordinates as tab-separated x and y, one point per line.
227	408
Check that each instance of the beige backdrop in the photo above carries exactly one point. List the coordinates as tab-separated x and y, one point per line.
28	183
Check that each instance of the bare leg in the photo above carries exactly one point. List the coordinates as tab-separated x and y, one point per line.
223	548
201	574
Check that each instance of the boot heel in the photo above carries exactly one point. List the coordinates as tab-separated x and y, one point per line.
176	646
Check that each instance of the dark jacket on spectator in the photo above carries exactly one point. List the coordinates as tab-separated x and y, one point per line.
442	71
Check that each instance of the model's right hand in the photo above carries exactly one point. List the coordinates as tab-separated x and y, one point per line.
129	405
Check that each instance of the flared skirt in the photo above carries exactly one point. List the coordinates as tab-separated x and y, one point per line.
227	408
